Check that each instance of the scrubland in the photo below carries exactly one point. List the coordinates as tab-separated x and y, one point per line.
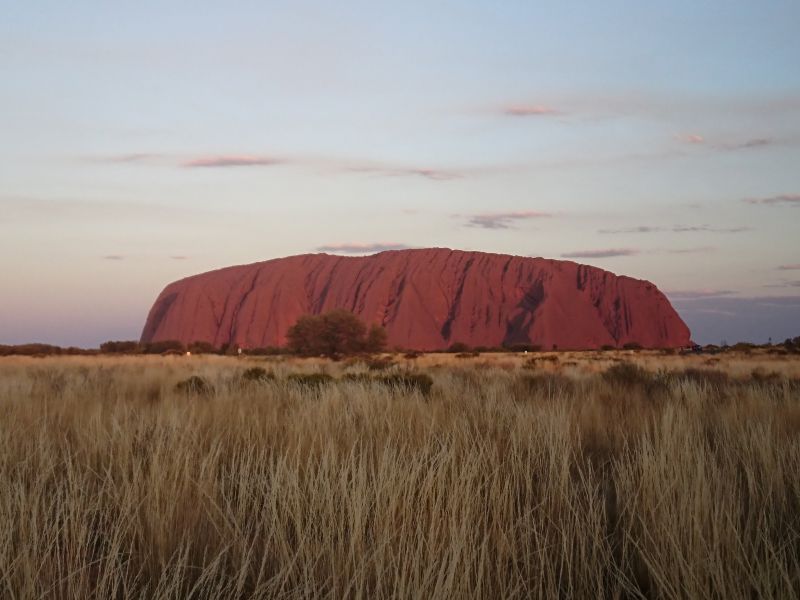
571	475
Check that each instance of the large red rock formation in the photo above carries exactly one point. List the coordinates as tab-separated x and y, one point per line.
426	299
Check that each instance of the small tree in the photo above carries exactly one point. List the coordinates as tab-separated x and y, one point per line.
335	333
119	347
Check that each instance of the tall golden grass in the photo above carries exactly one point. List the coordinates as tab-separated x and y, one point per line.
511	479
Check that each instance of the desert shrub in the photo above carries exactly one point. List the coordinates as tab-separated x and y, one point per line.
744	347
310	380
194	385
163	346
120	347
411	355
379	364
458	347
711	377
761	376
607	348
199	347
550	384
31	350
257	375
409	381
265	351
522	347
631	346
626	373
357	377
334	333
468	354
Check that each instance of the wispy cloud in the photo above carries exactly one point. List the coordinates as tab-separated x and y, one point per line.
390	171
179	257
698	294
603	253
113	257
690	138
677	229
529	110
696	250
132	157
794	267
359	248
232	160
504	220
791	199
746	144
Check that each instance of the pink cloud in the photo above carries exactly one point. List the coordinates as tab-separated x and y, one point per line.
690	138
794	267
529	110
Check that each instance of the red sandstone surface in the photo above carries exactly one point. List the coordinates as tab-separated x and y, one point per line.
426	299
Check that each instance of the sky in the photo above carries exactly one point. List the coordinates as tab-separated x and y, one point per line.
144	142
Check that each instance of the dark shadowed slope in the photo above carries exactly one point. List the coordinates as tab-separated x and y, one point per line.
426	299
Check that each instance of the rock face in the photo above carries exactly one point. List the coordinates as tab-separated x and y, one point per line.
426	300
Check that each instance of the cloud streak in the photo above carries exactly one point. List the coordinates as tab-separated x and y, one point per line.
359	248
790	199
232	160
504	220
529	110
602	253
676	229
698	294
389	171
690	138
794	267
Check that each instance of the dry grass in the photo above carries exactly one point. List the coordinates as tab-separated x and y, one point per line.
510	479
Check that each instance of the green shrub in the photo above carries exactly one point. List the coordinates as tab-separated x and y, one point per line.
334	333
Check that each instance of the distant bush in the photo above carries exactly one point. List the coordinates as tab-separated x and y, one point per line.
626	373
468	354
38	350
704	376
312	380
379	364
120	347
257	375
199	347
412	355
163	346
335	333
631	346
607	347
409	381
265	351
194	385
523	348
457	347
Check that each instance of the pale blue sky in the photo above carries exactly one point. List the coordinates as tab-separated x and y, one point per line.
143	143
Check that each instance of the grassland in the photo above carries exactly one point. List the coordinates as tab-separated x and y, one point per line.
572	475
